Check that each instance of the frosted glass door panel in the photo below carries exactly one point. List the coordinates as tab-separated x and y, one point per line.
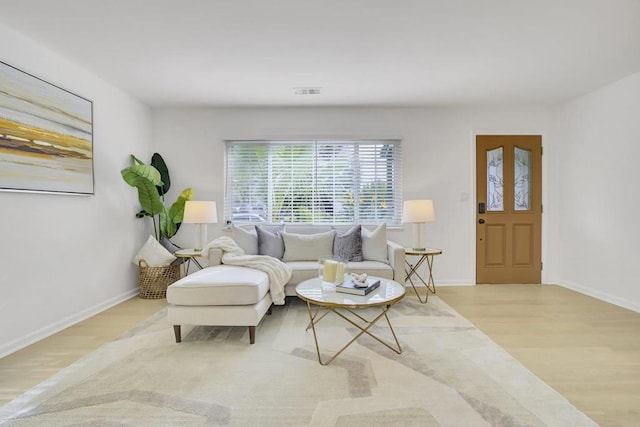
495	188
521	182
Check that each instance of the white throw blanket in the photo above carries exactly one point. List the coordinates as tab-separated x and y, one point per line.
279	273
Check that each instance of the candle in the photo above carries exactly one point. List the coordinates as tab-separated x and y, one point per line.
329	270
340	272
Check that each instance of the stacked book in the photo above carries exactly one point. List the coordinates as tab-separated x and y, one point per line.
349	287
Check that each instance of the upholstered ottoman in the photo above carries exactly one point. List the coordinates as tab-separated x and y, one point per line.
223	295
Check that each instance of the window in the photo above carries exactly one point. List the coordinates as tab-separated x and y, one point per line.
313	182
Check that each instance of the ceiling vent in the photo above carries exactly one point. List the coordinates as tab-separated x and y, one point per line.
307	90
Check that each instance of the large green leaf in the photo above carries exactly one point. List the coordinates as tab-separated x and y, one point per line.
148	196
158	162
167	227
148	172
175	214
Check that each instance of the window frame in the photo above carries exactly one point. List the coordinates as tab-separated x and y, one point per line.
392	172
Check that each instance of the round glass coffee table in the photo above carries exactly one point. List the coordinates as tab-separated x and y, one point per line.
323	295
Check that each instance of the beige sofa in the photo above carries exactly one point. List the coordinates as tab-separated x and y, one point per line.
382	257
222	295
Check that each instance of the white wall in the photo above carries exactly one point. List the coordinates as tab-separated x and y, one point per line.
438	151
65	258
596	200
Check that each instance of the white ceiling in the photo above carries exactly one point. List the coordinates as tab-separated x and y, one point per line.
360	52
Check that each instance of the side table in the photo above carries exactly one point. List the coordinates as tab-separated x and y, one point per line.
191	255
423	255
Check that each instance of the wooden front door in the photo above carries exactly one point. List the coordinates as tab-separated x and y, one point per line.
509	208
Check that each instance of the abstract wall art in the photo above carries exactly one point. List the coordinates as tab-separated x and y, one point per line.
46	136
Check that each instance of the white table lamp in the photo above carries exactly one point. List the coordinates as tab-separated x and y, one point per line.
200	213
417	212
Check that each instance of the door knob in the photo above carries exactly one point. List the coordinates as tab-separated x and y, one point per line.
481	221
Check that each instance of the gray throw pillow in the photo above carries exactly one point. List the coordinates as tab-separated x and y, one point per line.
270	242
347	246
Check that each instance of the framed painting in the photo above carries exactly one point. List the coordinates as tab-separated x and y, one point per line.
46	136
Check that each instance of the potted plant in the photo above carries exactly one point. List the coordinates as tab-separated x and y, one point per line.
153	182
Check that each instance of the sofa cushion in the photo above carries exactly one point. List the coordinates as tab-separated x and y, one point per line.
270	241
220	285
307	247
304	270
347	246
372	268
374	244
301	271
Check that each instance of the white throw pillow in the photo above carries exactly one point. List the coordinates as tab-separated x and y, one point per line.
307	247
374	244
154	254
246	239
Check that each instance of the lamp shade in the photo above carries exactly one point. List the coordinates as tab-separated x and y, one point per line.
200	212
417	211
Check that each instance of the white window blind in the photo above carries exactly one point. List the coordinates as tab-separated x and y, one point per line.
313	182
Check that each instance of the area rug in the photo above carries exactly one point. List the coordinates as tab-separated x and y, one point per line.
449	374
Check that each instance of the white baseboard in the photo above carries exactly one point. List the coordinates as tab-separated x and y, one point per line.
417	282
445	283
603	296
40	334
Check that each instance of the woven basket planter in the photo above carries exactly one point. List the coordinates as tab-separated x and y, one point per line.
154	280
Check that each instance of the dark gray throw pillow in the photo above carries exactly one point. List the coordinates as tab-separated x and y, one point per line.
347	246
270	241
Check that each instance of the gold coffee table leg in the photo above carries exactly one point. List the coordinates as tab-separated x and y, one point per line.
314	316
365	330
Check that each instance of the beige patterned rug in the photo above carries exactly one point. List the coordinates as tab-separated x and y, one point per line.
449	374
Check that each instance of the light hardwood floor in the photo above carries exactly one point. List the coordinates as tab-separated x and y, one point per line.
586	349
30	366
